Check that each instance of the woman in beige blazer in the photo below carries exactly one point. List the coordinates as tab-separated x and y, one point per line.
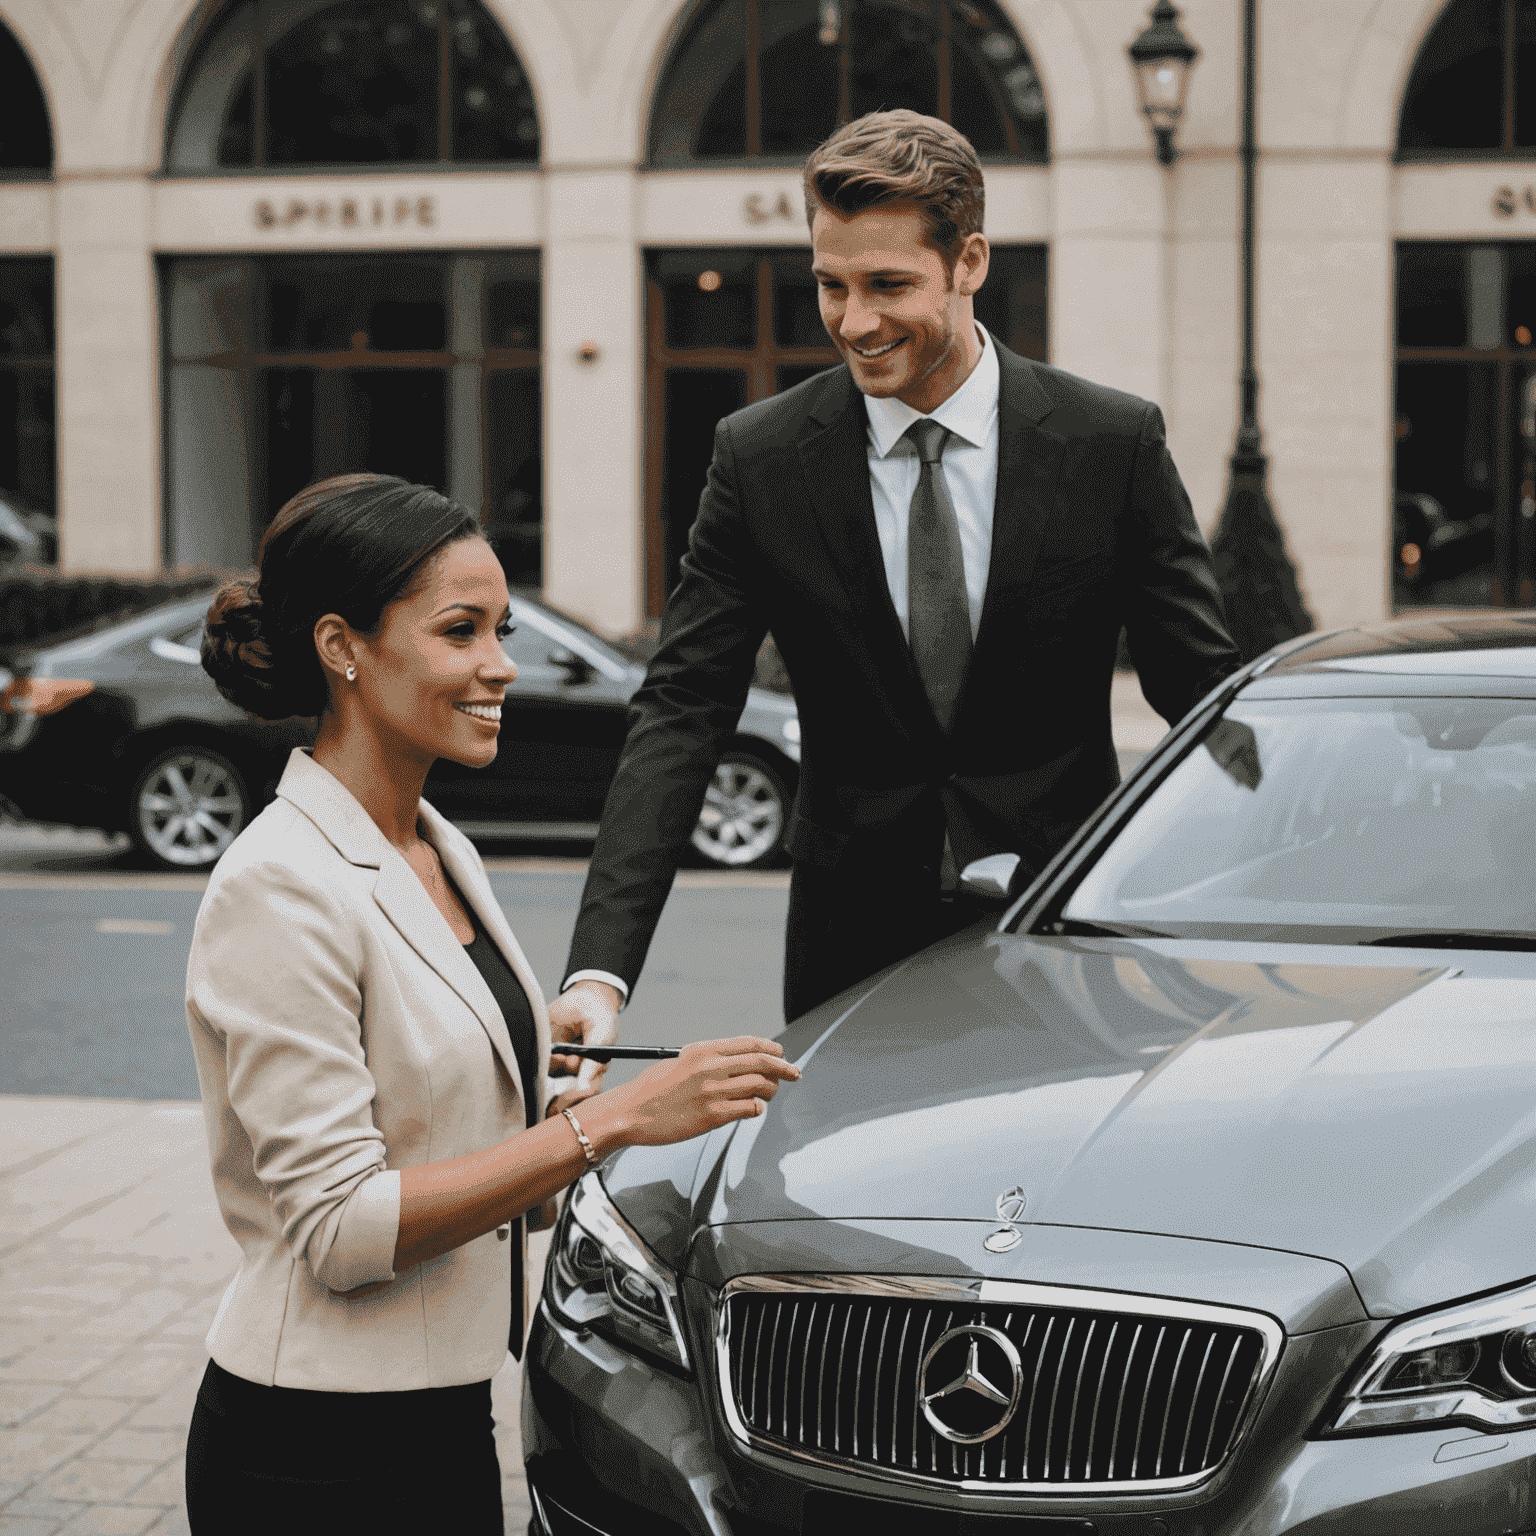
372	1047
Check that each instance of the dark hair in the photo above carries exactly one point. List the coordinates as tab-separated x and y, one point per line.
350	545
901	157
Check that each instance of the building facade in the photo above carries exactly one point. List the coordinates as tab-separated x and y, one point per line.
531	250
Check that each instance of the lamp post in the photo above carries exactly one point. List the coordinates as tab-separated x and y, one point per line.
1263	597
1258	582
1162	58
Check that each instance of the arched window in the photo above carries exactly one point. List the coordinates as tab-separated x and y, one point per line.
753	79
280	83
26	140
1472	93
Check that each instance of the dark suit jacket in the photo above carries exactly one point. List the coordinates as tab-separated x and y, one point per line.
1092	530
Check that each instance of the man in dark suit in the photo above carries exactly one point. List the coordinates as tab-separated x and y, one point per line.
945	540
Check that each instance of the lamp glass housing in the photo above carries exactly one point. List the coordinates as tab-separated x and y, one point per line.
1163	84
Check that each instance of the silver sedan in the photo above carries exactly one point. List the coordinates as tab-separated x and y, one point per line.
1194	1197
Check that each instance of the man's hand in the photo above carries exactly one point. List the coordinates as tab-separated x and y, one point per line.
587	1013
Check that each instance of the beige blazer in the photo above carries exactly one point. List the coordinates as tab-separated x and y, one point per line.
341	1034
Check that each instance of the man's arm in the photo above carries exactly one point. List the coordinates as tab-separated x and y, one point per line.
1173	613
680	721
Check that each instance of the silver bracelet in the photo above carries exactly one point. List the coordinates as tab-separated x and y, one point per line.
581	1136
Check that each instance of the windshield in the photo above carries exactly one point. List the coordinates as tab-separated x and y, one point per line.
1334	820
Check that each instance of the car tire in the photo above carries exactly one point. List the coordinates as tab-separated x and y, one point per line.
186	806
745	814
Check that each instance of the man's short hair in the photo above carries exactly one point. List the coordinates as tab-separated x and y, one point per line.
900	157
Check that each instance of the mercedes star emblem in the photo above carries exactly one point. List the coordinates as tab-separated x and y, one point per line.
1010	1207
969	1384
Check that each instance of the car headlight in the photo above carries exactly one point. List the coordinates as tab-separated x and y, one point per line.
602	1276
1471	1364
791	729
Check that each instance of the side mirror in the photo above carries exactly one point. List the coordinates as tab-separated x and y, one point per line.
577	669
992	876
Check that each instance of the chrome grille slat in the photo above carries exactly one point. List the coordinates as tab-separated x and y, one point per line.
1146	1396
901	1354
1127	1395
1194	1401
1077	1389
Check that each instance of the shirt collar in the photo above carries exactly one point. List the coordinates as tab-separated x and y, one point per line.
968	413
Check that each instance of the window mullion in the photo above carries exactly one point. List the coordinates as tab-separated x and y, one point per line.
1509	76
941	59
259	87
754	93
444	84
845	66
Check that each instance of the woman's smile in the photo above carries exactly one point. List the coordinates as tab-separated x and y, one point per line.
487	714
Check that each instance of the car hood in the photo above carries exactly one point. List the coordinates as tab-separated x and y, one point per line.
1375	1111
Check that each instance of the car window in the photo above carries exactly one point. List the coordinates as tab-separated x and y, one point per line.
536	635
1343	818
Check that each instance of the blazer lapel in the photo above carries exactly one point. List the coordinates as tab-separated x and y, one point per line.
1028	466
404	900
835	459
469	875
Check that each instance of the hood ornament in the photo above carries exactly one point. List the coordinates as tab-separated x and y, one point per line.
1010	1207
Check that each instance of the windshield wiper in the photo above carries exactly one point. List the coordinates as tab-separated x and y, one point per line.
1082	928
1434	938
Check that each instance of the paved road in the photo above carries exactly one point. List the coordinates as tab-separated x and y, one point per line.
93	967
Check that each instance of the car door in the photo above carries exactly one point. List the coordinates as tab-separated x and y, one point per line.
562	727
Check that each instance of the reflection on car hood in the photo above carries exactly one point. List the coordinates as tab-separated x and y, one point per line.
1329	1102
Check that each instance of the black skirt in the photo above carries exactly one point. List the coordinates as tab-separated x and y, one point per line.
281	1459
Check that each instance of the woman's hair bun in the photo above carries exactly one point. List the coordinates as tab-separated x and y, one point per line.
239	658
350	546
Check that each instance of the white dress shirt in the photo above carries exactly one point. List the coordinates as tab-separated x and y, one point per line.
970	474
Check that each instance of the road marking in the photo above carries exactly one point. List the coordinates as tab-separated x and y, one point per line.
31	882
149	925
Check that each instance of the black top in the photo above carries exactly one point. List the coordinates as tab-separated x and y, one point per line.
518	1013
513	1002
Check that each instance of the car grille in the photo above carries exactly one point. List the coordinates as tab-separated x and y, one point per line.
1107	1392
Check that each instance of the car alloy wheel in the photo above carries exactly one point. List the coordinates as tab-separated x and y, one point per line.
741	825
188	806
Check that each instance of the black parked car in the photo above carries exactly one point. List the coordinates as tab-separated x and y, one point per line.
122	729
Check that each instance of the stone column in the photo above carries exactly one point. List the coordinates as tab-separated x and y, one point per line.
593	522
1325	360
109	423
1109	273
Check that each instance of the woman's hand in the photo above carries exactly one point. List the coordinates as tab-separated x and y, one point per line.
709	1084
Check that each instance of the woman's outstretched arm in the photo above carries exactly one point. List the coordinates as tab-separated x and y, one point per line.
444	1205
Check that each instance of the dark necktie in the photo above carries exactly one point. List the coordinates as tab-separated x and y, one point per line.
938	613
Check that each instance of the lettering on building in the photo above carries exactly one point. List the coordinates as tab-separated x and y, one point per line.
1507	201
758	209
360	213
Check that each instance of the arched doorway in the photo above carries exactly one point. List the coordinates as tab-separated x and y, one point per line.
1464	519
28	429
287	367
760	83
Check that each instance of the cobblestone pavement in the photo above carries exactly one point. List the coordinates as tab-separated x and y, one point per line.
112	1260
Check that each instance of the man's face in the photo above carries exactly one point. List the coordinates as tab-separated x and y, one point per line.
900	318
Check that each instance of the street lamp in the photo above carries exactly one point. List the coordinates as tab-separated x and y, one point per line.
1162	58
1258	582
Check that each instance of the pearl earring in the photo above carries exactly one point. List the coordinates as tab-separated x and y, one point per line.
351	674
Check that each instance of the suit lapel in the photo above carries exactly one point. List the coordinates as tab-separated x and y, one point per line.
1028	466
835	459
